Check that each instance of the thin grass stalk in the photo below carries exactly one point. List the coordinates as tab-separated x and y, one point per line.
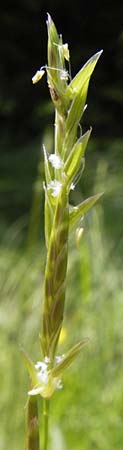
46	422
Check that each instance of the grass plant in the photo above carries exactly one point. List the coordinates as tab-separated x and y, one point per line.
63	169
89	410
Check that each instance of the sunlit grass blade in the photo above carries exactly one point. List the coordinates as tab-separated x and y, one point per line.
82	76
73	162
74	116
29	365
77	212
69	358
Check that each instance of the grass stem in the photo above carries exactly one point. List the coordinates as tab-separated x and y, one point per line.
46	422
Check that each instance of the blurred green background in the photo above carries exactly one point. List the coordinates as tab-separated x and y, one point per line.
88	413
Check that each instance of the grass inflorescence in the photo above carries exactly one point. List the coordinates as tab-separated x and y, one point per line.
62	170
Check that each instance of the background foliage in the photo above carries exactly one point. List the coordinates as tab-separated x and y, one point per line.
88	412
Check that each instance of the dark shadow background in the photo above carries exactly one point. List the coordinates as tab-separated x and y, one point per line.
88	27
26	110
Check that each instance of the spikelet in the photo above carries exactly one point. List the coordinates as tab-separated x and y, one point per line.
55	275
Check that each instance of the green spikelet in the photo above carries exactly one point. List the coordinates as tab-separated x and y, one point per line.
55	275
56	73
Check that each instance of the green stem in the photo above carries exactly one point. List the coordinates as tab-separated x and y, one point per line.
46	423
32	442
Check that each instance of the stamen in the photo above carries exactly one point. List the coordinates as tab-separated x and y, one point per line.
55	187
64	73
63	49
59	358
38	75
56	161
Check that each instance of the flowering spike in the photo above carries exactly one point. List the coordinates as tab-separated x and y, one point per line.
55	275
62	170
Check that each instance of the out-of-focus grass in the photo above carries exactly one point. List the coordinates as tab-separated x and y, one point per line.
87	413
21	290
93	391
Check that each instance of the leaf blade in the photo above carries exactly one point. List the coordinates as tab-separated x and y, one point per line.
77	212
29	365
72	164
83	75
74	116
69	358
